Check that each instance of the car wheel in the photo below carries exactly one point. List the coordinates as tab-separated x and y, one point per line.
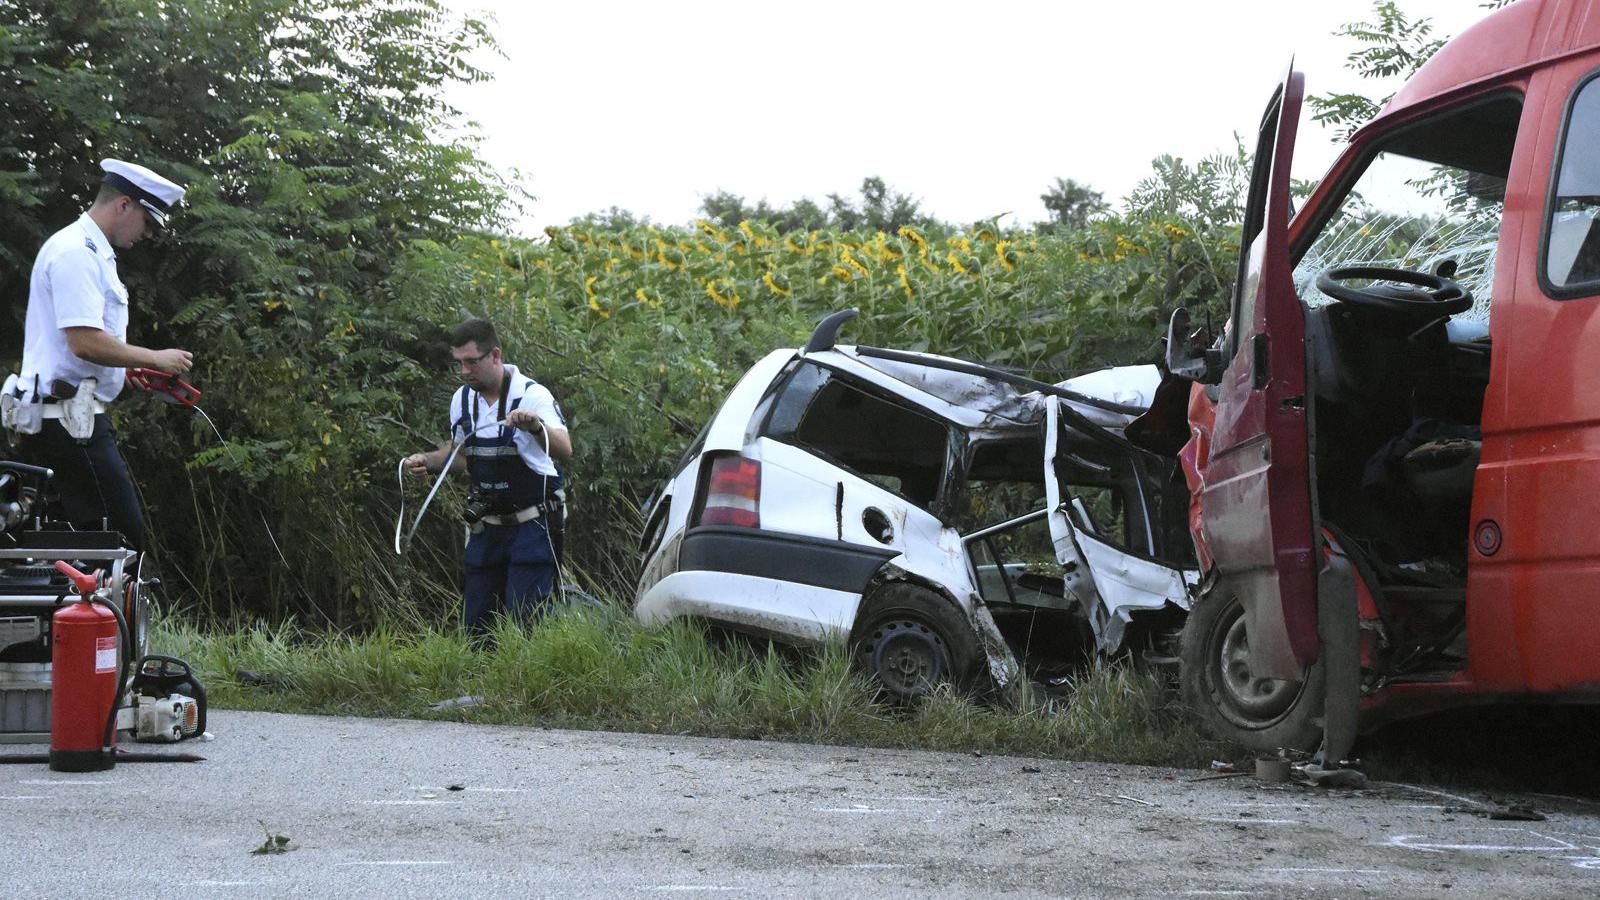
1233	702
911	640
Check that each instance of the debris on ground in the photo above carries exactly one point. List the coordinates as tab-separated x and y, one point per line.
274	843
1509	813
1218	765
467	701
1272	769
1333	778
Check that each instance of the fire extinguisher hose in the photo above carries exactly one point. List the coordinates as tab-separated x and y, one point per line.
127	668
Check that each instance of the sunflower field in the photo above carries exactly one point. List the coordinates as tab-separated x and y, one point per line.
641	331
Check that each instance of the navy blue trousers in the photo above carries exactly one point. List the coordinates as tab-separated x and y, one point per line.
91	478
510	570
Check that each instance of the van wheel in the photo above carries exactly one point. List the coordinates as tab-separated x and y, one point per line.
1232	702
911	640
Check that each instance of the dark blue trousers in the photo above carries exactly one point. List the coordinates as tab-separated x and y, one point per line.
91	478
510	570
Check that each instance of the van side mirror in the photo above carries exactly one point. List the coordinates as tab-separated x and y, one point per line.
1187	355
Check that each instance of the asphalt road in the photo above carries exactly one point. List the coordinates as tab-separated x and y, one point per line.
369	810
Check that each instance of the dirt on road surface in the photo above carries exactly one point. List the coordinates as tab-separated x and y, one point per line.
430	809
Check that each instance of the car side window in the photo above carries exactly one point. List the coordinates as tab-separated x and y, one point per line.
887	443
1572	232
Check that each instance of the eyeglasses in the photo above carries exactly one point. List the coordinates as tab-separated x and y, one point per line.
467	362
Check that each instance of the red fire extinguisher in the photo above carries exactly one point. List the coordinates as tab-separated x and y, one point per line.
86	677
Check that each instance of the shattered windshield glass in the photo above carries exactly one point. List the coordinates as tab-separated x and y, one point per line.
1431	201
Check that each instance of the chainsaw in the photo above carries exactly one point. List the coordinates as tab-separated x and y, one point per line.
167	388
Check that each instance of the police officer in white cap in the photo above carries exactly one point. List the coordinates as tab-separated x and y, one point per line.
75	350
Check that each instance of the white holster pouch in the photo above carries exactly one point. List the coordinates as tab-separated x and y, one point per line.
78	411
16	417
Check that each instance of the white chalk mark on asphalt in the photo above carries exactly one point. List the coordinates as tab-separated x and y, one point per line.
850	809
1427	845
1319	871
470	790
1263	804
1251	821
415	802
1437	793
25	797
398	862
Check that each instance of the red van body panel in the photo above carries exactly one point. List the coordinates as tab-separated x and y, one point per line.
1533	581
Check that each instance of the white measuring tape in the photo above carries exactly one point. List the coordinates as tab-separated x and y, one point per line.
400	472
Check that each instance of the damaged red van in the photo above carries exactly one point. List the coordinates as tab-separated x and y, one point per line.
1394	448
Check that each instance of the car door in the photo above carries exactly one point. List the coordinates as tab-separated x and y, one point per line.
1109	582
1256	494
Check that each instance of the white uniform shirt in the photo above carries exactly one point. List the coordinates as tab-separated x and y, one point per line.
74	283
523	393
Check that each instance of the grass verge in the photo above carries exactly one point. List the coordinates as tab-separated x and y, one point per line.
598	669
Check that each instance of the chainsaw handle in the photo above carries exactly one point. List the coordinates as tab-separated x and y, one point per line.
84	582
167	387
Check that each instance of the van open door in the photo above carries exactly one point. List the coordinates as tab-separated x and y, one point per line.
1256	494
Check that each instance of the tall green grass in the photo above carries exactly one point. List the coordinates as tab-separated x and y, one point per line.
598	669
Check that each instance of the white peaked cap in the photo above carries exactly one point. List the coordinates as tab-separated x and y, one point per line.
156	194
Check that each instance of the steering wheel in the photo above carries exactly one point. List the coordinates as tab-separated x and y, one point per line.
1428	295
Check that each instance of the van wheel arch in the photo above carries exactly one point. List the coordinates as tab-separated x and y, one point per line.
1230	702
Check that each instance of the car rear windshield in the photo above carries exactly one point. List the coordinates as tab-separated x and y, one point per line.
886	442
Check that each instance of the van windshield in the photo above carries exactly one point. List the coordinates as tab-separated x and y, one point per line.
1430	200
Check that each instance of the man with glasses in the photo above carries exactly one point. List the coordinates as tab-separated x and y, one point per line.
512	433
75	351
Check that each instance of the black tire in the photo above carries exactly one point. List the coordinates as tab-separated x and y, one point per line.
911	640
1235	706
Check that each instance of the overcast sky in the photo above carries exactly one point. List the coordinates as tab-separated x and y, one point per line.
972	109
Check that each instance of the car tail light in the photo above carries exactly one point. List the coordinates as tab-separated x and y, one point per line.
733	492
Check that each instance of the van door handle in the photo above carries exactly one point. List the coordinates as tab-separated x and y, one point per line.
1260	363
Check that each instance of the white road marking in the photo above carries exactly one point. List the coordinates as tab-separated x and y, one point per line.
850	809
872	865
222	884
25	797
690	887
1215	893
910	799
53	781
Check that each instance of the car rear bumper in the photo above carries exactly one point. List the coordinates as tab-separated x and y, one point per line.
767	606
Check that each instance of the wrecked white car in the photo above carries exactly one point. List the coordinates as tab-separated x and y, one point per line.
948	520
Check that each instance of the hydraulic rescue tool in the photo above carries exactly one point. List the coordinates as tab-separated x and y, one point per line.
72	664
